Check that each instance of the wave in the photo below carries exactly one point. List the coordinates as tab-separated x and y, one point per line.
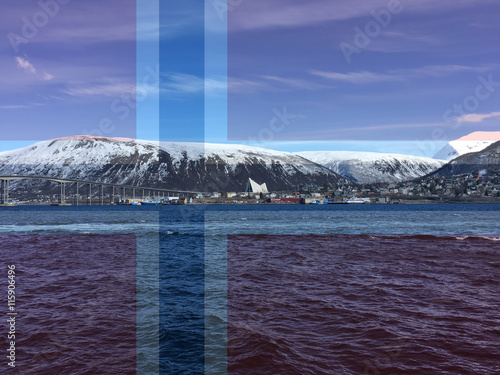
430	237
424	237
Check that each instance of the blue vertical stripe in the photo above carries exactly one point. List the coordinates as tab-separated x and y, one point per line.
182	118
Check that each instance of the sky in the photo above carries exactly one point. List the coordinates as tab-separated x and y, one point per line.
401	76
63	65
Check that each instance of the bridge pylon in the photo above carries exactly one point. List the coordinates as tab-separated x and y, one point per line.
5	191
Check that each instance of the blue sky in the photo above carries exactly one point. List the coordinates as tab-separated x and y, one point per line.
389	76
63	65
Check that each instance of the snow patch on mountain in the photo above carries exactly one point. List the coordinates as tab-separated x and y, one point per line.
473	142
455	149
175	165
484	162
372	167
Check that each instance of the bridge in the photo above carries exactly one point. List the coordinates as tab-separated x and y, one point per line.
131	188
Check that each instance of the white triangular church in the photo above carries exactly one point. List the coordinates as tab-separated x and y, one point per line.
254	187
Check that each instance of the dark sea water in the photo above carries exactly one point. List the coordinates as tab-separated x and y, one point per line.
337	289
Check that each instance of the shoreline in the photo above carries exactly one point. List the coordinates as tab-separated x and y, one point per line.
250	202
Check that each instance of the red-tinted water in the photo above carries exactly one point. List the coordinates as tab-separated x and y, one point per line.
75	304
357	304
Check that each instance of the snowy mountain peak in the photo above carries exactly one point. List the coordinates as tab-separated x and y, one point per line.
473	142
91	138
171	165
371	167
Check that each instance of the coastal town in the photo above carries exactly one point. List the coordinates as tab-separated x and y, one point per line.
472	187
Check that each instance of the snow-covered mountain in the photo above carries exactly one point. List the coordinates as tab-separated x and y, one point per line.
472	142
184	166
371	167
484	162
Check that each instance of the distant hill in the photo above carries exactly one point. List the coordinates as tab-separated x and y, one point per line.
485	162
371	167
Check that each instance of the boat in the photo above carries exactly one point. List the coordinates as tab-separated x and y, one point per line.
135	203
149	203
319	202
355	200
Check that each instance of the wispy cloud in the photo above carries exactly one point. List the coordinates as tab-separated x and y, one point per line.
13	106
366	77
356	77
285	13
25	64
443	70
100	89
47	76
271	83
29	68
478	117
242	85
391	41
295	83
172	83
181	83
76	22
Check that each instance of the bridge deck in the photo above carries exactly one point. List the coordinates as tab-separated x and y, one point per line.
63	181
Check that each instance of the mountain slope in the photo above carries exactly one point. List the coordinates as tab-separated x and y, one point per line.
485	162
371	167
472	142
184	166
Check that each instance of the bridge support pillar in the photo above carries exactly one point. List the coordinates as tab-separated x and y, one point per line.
5	192
63	193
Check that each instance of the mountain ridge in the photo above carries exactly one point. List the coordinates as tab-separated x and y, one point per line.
473	142
184	166
373	167
486	161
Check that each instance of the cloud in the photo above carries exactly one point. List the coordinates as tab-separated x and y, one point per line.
242	85
356	77
13	106
107	87
366	77
82	22
271	83
443	70
47	76
477	117
296	83
290	13
25	64
172	83
28	67
181	83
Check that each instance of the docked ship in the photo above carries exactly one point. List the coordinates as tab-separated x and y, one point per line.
355	200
